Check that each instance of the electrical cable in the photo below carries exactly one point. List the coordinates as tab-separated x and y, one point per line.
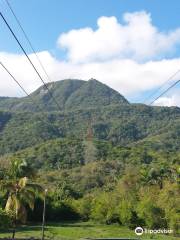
10	29
28	40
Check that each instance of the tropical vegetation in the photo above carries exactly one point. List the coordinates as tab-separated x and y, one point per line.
102	159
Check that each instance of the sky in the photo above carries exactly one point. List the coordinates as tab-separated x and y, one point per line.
132	46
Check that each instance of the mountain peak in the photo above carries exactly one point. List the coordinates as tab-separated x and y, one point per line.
93	80
94	93
70	94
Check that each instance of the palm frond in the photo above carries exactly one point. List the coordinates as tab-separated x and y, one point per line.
28	197
6	185
10	204
35	187
20	193
23	182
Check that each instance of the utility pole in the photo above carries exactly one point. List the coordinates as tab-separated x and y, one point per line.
44	213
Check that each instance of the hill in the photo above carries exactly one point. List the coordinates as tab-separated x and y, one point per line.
101	158
118	124
86	107
70	94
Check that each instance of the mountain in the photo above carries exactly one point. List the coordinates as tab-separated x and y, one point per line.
95	154
70	94
87	107
94	93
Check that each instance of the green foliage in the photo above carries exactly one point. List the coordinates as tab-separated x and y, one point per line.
56	154
5	219
20	193
20	168
83	206
156	126
55	210
103	208
169	200
154	216
125	172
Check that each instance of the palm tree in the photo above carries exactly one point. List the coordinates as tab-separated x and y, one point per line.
20	194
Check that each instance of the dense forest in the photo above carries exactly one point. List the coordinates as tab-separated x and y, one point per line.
101	158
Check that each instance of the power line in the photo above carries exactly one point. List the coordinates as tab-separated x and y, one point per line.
10	29
14	79
28	40
174	84
157	90
34	51
33	101
29	96
17	82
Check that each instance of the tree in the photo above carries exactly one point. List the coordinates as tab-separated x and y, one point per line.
20	168
152	214
104	208
20	194
127	189
157	176
169	200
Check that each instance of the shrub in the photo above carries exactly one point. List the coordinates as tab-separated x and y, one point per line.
5	219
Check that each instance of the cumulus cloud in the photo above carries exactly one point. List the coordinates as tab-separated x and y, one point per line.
173	100
126	76
20	68
136	38
115	54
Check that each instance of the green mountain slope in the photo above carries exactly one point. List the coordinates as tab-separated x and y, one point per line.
107	159
69	94
118	124
64	153
94	93
86	107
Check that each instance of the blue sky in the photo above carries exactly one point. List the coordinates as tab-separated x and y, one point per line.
45	21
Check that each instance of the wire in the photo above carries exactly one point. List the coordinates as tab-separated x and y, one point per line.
45	116
28	40
29	96
17	82
14	79
10	29
174	84
157	90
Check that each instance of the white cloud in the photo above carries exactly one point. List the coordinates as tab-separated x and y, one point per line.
126	76
21	69
136	39
110	54
173	100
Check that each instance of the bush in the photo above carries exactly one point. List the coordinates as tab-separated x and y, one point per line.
154	216
169	200
104	208
83	206
55	211
5	219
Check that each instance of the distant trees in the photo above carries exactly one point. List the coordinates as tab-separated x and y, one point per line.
133	202
135	184
90	151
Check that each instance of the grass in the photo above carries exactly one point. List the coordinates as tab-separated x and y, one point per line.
73	231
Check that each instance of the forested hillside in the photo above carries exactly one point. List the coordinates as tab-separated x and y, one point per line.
102	157
118	124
